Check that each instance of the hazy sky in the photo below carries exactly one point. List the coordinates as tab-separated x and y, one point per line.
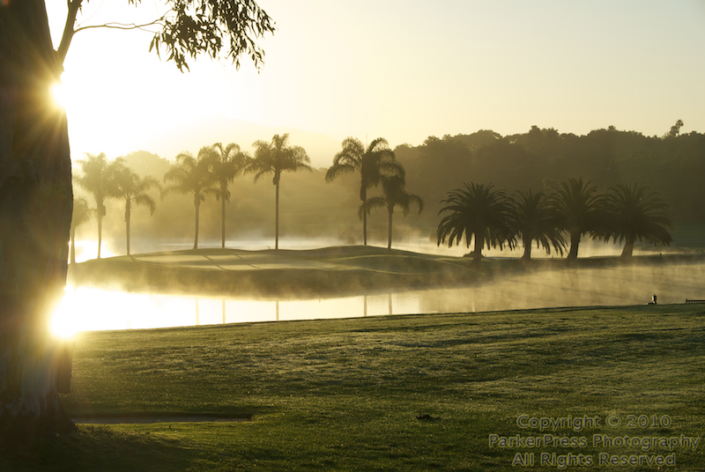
401	69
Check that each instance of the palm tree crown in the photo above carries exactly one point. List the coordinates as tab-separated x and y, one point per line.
581	211
535	219
635	214
191	175
132	189
99	179
479	212
276	157
225	164
394	195
372	163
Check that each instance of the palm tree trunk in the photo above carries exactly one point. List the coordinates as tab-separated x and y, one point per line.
222	214
389	242
276	220
479	244
100	228
527	249
197	203
574	244
628	248
127	225
363	198
36	224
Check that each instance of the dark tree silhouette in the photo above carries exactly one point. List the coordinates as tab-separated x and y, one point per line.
35	181
394	195
477	212
99	179
535	219
636	215
81	214
133	189
191	175
372	163
581	211
225	164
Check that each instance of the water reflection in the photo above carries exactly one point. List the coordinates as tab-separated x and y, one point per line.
88	309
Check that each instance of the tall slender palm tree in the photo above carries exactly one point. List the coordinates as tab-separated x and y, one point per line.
134	190
277	157
635	214
394	195
99	179
581	211
81	214
535	219
371	162
190	175
225	164
477	212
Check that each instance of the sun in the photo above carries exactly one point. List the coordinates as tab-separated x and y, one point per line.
59	94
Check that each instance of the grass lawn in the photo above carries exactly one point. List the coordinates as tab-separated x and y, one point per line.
346	394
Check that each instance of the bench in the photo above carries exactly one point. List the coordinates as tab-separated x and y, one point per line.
694	301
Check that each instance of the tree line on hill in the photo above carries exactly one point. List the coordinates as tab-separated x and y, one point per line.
537	165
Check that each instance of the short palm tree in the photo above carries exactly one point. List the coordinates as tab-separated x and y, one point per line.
99	179
277	157
191	175
477	212
581	211
225	164
81	214
394	195
372	163
134	190
635	214
535	219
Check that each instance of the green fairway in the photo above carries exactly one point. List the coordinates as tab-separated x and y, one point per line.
346	394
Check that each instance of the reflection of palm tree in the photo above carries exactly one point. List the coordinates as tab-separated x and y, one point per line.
277	157
81	214
636	215
535	219
98	179
190	175
226	163
581	211
134	190
371	163
477	212
394	195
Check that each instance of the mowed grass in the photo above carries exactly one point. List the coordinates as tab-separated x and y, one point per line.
346	394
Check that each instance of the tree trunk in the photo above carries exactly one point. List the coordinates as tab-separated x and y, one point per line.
101	212
628	248
363	198
477	253
127	224
222	214
276	220
527	249
197	204
36	202
574	244
389	242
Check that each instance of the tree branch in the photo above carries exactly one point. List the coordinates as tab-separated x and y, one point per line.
74	6
122	26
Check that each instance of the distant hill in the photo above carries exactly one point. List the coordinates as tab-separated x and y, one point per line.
218	128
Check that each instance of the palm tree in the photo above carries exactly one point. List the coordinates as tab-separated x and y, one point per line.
225	164
191	175
479	212
635	214
373	162
81	214
134	190
535	219
581	211
277	157
99	179
394	195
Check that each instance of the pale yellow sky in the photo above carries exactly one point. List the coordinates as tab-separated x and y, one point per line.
401	69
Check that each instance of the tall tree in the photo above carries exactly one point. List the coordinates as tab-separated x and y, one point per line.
581	210
35	181
394	195
225	164
636	215
191	175
535	219
133	189
81	214
276	157
98	179
480	213
371	162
